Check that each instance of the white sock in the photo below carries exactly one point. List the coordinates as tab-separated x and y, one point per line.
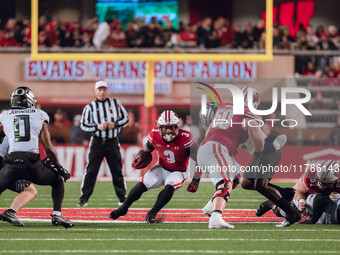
58	213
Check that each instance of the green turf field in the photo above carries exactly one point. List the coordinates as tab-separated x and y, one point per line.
162	238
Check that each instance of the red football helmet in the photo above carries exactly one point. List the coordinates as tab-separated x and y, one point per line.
168	122
325	176
256	96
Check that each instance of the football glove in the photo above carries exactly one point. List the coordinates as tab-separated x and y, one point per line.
59	169
142	160
193	185
63	173
138	164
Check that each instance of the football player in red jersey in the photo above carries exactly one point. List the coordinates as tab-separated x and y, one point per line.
317	194
255	180
173	146
216	154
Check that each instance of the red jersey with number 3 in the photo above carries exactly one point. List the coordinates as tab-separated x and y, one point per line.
173	155
227	128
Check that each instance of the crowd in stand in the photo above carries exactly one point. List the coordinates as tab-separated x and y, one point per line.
207	33
330	74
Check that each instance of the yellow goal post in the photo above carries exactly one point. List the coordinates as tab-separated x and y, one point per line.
151	58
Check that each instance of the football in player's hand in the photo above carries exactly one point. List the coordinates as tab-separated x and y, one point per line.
142	160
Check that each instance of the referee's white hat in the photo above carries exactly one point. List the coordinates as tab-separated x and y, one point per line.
100	84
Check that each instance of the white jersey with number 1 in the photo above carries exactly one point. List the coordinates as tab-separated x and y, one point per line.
22	128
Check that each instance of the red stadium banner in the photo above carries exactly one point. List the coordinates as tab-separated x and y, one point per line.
74	158
294	160
176	70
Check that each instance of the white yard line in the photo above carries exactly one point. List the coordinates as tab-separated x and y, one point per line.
173	251
173	239
168	230
142	221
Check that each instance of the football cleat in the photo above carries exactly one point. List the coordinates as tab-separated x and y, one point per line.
61	220
208	208
82	202
216	221
150	217
263	208
117	213
9	216
284	223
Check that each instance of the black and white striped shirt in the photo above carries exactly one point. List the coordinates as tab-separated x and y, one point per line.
98	112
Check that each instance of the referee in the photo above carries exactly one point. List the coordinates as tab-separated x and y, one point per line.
104	118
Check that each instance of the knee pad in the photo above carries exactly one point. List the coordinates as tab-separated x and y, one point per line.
222	192
21	185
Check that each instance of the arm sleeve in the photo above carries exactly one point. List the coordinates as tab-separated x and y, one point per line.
87	123
149	146
149	143
123	120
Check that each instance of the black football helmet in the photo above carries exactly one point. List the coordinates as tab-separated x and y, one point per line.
22	98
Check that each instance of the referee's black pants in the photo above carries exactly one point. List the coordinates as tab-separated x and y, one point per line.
111	151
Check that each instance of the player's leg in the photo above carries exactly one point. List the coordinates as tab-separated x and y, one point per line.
95	158
173	181
8	176
114	160
44	174
219	202
27	192
248	182
152	179
270	159
215	157
275	197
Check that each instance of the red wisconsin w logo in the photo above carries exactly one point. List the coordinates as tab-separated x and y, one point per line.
285	13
